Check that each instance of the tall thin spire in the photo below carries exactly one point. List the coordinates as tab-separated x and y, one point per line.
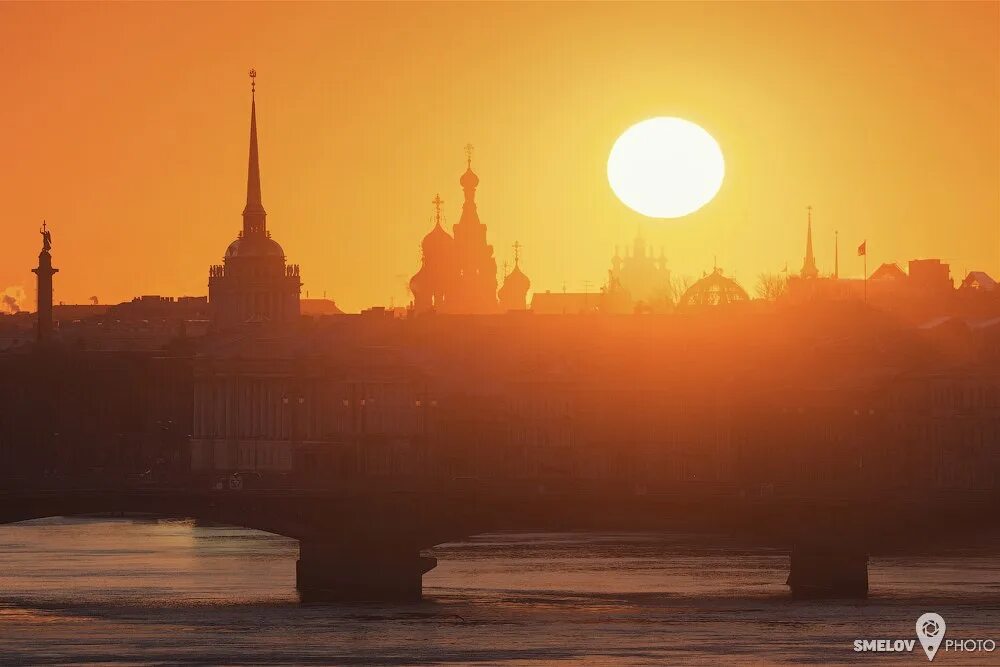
809	269
253	213
836	254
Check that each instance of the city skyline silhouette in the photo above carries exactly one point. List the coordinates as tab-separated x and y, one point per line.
347	333
348	180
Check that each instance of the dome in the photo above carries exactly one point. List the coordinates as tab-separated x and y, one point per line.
514	290
418	281
714	290
516	282
437	242
254	246
469	179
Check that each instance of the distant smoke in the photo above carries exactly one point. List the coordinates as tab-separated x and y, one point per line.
12	299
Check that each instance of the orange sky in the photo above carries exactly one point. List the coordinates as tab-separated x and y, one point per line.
126	127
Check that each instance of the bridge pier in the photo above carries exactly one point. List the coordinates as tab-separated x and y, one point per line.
344	572
828	572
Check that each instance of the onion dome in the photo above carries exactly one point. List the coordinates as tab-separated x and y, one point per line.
714	290
418	282
437	243
469	179
513	292
515	283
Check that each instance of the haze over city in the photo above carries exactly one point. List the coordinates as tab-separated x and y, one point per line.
128	134
507	333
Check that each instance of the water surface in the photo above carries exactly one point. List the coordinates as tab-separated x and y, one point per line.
96	590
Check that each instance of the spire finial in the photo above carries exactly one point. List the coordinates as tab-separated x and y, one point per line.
253	80
517	251
437	201
469	148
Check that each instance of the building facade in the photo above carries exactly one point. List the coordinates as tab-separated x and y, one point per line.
269	406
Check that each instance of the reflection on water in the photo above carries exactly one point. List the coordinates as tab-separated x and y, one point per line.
138	590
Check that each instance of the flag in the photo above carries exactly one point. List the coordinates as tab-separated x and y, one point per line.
863	248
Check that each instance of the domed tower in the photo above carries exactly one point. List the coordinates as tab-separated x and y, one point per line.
437	266
514	291
475	288
253	284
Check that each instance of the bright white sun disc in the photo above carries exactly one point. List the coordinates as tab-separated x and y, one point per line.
666	167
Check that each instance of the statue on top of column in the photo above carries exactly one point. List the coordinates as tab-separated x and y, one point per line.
46	237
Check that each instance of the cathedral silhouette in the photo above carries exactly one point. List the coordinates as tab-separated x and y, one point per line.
458	273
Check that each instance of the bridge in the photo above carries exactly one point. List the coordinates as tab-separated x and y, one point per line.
364	541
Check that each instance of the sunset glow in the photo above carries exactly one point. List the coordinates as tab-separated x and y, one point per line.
364	114
408	333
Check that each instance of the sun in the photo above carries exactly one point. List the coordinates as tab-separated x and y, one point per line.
666	167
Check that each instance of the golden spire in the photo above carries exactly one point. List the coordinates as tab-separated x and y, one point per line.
253	212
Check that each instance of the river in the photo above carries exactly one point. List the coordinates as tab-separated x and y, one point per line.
138	590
